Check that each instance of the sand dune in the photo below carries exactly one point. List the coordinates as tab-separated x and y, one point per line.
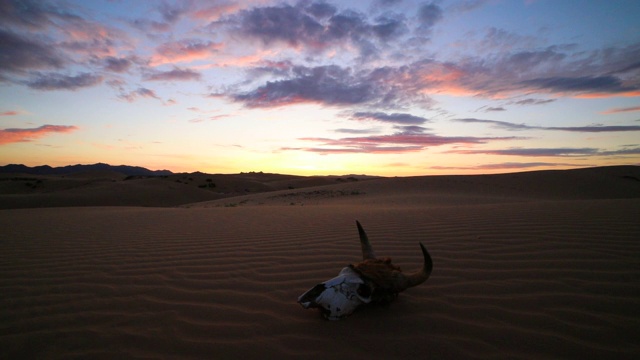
516	275
108	188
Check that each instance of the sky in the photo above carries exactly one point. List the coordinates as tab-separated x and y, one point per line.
381	87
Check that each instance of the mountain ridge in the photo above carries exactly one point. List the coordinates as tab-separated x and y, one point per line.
73	169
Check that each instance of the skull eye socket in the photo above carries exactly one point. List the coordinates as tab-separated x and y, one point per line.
311	295
364	291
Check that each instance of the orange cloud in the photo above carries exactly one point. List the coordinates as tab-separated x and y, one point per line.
8	136
9	113
621	110
633	93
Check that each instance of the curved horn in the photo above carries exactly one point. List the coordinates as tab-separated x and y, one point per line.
419	276
367	250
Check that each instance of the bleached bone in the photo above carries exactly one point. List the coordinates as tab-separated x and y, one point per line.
371	281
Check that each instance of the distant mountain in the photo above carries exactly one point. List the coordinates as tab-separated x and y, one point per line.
72	169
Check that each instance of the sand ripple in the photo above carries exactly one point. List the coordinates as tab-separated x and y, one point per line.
547	279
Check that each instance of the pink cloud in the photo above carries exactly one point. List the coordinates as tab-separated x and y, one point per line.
395	143
621	110
91	38
8	136
9	113
214	12
186	50
176	74
508	166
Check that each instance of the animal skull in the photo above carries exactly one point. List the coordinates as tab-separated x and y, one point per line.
371	281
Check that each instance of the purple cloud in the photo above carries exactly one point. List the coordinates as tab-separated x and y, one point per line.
551	152
118	65
140	92
593	128
533	101
283	23
20	53
54	81
355	131
411	139
33	14
176	74
329	85
429	15
332	85
608	84
534	152
170	14
489	109
504	166
317	26
396	118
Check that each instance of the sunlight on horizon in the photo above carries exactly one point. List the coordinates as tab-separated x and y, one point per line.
380	88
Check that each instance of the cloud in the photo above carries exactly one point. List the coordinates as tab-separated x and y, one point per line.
532	152
389	27
411	140
317	26
89	38
213	12
411	129
331	85
597	73
8	136
170	14
140	92
391	86
176	74
533	101
285	23
54	81
429	15
45	35
387	2
592	128
398	86
396	118
467	5
505	166
118	65
585	85
622	110
321	10
20	53
9	113
625	151
355	131
552	152
32	14
186	50
502	41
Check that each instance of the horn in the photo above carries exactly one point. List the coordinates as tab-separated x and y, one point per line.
419	276
367	250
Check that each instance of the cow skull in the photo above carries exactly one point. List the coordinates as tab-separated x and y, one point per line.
371	281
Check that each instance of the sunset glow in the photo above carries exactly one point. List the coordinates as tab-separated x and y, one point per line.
382	87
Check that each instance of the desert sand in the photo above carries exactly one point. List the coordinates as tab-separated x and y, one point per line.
526	266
